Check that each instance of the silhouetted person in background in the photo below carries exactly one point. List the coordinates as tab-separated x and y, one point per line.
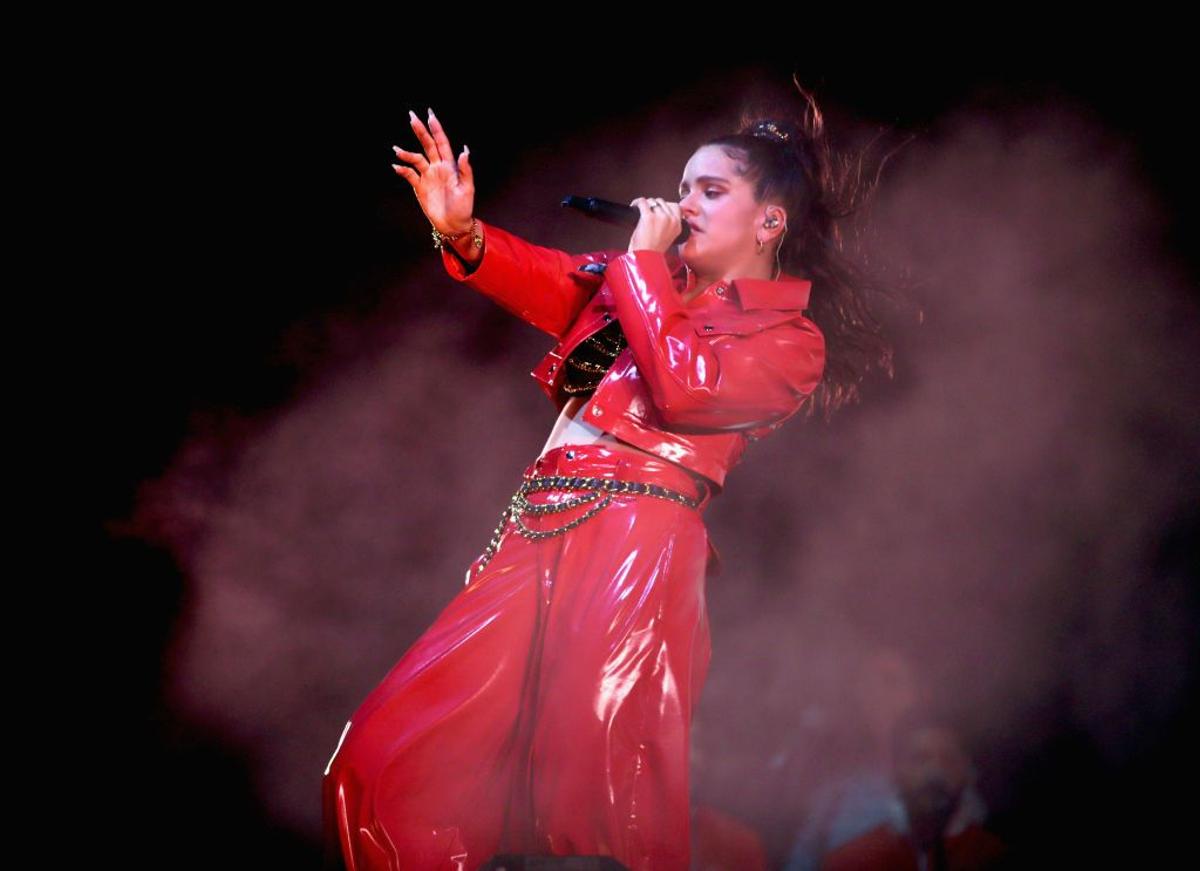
884	686
932	774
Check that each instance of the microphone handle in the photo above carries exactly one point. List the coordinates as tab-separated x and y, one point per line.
614	213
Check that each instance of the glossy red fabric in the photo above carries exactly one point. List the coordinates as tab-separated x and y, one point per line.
547	709
698	380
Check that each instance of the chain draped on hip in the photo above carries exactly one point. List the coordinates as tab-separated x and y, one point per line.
598	490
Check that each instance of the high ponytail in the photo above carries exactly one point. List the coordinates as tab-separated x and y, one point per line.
787	158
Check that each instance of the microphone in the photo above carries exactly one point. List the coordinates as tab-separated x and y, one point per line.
615	213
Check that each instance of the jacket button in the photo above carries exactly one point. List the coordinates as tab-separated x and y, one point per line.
708	326
596	410
553	366
720	291
570	455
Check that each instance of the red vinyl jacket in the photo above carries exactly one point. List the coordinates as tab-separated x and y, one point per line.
698	380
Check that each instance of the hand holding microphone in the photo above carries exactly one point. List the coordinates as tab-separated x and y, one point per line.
623	216
659	227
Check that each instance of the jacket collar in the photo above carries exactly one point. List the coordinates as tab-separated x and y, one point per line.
786	292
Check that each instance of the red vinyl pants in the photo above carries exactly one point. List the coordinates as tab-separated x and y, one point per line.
547	709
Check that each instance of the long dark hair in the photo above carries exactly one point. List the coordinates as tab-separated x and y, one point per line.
819	188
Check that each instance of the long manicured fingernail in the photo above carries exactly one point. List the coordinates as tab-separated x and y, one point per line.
412	115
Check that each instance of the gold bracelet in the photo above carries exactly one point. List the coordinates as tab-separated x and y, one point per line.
476	236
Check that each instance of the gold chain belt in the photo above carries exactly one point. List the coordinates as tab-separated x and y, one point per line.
519	505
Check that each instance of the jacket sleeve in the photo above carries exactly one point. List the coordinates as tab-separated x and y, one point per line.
725	379
544	287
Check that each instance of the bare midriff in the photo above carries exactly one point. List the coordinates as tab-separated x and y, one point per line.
572	428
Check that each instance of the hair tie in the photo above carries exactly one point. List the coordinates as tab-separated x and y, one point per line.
769	130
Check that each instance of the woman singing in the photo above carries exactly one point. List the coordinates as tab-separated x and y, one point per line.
547	709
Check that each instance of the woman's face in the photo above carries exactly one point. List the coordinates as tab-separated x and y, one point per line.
720	208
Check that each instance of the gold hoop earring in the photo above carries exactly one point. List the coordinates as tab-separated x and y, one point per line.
759	241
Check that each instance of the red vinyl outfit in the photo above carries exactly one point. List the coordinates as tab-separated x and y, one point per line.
547	710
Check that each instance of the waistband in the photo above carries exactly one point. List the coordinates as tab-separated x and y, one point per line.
626	469
598	461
